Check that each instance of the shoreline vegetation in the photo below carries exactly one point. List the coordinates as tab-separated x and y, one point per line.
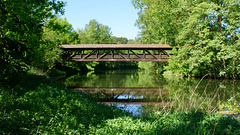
38	105
208	37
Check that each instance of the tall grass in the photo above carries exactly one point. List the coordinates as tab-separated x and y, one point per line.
184	98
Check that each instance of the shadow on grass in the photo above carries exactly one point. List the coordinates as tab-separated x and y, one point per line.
39	105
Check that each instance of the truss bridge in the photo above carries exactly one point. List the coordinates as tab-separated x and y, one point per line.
116	52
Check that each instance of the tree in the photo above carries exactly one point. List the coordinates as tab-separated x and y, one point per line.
57	32
60	31
156	21
95	33
206	31
21	32
120	40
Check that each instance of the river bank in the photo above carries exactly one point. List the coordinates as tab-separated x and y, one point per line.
39	105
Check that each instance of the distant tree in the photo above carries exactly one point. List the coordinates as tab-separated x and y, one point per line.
95	33
135	41
120	40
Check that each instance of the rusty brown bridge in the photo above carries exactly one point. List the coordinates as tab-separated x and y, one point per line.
116	52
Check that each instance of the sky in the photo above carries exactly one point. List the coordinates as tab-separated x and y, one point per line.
119	15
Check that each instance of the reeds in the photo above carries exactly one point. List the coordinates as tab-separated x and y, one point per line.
209	100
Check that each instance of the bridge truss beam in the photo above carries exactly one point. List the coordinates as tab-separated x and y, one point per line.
115	53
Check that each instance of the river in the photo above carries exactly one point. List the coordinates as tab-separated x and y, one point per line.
141	92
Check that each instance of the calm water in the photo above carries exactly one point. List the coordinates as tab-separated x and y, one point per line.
143	92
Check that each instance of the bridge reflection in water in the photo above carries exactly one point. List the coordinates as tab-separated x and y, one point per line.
130	99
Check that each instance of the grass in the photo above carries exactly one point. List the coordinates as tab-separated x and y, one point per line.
38	105
175	123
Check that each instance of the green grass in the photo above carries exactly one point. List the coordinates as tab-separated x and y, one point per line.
38	105
175	123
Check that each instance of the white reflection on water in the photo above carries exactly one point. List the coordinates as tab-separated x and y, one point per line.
135	109
128	96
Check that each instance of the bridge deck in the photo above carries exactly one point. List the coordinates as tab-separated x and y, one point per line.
118	46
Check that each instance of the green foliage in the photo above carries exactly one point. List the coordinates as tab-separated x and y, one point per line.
57	32
206	33
60	32
232	104
120	40
175	123
54	73
95	33
21	32
134	41
156	21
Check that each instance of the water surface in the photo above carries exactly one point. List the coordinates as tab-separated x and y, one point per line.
143	92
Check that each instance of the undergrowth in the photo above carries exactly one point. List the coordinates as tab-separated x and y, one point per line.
38	105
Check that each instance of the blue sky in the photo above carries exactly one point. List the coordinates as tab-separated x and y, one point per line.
119	15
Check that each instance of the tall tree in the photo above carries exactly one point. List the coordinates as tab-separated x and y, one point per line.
207	32
21	32
156	21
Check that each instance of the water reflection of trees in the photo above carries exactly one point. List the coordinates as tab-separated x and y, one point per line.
114	78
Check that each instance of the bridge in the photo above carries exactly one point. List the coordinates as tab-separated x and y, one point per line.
116	52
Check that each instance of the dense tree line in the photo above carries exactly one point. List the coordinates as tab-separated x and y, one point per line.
205	31
31	32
